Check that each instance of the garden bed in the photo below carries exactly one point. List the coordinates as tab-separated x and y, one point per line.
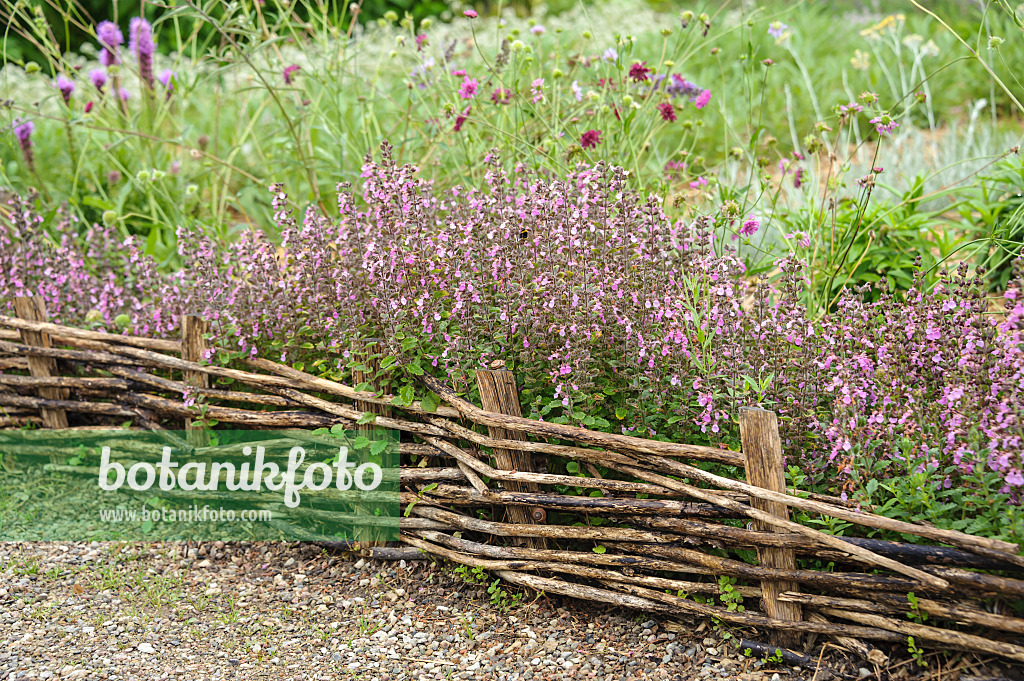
661	536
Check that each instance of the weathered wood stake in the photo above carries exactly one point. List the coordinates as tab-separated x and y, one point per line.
193	349
367	351
498	393
762	448
33	308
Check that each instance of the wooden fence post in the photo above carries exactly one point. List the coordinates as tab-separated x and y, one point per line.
193	349
498	393
762	447
33	308
367	352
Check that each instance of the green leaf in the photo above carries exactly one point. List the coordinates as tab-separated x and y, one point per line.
367	417
378	446
430	403
338	430
361	442
414	369
572	467
599	549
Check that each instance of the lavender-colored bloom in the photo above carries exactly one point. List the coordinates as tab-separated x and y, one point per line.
141	44
110	38
98	78
125	94
538	30
23	131
166	79
577	92
610	55
777	29
66	87
680	87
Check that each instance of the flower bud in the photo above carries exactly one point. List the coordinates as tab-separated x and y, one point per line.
142	176
391	15
109	217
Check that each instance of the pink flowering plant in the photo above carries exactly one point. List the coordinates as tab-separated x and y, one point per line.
612	314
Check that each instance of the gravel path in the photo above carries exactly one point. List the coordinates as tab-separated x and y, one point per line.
295	611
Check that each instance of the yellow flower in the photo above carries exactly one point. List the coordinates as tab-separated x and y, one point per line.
861	60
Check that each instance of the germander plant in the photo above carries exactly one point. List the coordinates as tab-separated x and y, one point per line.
613	316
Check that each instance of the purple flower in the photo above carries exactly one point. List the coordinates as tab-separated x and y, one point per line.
469	88
501	96
590	139
166	79
288	71
577	92
638	71
682	87
702	99
471	13
750	226
421	40
538	30
110	38
610	55
461	118
125	94
23	131
537	90
98	78
66	87
667	111
141	43
777	29
884	124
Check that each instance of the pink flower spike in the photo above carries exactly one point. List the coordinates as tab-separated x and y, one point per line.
702	99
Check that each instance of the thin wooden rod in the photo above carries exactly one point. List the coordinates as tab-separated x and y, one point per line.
61	332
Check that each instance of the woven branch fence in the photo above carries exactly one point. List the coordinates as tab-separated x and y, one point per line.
667	526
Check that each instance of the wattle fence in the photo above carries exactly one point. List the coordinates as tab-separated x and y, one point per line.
662	530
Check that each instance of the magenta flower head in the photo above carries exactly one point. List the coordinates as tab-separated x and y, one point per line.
141	43
469	88
98	78
471	13
23	132
66	87
702	99
667	111
110	38
590	139
501	96
638	71
288	71
750	226
461	118
166	79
